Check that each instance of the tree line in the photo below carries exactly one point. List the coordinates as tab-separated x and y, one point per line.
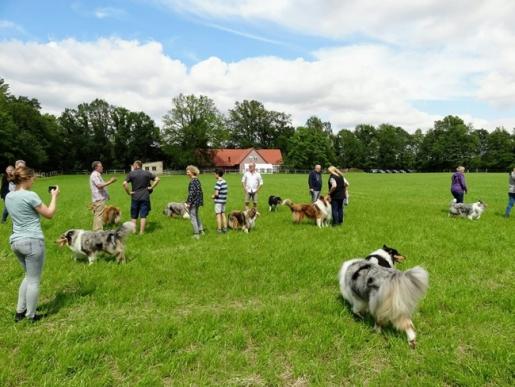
194	126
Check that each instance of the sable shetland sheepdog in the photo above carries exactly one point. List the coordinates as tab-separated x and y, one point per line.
320	211
246	220
374	285
89	243
111	215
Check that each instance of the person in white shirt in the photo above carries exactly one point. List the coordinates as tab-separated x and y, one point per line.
251	182
99	194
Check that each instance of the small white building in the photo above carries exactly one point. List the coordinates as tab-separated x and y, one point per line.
156	167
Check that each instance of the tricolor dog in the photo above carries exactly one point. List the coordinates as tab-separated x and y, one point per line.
375	286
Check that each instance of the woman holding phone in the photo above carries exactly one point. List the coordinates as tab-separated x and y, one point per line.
27	240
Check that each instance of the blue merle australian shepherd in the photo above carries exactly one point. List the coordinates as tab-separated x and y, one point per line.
374	285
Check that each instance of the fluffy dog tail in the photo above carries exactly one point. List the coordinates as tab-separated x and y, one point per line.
125	230
398	297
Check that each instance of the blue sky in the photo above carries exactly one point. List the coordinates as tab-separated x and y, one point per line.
370	68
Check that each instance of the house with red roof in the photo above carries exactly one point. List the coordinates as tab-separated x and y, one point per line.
267	160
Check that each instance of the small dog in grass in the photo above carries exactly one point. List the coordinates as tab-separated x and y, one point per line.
173	209
111	215
273	202
471	211
374	285
245	220
90	243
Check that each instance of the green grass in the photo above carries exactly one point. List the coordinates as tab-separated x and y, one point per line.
264	308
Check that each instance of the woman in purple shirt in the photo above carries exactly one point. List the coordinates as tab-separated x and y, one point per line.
458	185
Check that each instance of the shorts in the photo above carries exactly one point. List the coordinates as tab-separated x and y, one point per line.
140	208
219	208
251	197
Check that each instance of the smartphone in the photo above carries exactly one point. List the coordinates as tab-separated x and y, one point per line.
51	187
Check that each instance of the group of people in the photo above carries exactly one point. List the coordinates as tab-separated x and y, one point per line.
459	188
25	208
338	190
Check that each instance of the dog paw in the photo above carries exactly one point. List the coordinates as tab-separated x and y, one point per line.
412	344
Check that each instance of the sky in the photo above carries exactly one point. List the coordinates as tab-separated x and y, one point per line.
402	62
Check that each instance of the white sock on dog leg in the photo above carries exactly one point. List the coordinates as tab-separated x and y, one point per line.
410	332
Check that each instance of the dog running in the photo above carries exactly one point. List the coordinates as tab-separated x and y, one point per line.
471	211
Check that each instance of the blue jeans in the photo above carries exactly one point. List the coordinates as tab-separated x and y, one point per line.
511	202
337	210
31	254
458	196
314	195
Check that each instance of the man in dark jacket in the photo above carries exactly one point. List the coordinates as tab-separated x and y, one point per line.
315	183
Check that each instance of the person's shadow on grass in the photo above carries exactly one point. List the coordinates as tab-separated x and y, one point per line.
65	297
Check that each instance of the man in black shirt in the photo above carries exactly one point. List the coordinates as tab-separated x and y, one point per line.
140	193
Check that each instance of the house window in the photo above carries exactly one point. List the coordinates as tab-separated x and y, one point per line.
252	158
147	168
154	168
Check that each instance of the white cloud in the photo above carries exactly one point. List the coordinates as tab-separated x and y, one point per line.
110	12
347	86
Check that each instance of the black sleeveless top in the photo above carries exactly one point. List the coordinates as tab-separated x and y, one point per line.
339	192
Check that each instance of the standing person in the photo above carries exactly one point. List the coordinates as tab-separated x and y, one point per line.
511	193
252	183
7	186
140	193
347	194
315	182
195	200
220	198
99	194
458	185
337	193
27	240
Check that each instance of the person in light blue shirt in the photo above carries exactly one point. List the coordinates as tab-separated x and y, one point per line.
27	239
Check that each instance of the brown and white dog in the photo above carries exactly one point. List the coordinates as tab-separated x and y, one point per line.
89	243
320	211
246	220
326	213
112	215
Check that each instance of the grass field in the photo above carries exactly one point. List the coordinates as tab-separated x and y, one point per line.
264	308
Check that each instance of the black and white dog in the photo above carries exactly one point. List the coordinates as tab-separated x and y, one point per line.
173	209
273	202
471	211
89	243
373	285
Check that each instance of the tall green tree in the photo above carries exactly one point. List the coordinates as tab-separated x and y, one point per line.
311	144
191	127
251	125
349	149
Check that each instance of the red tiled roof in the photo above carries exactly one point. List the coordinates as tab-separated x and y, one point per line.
271	156
231	157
